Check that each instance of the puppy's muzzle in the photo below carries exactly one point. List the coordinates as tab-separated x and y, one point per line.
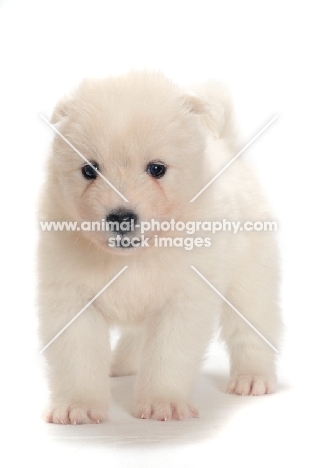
122	221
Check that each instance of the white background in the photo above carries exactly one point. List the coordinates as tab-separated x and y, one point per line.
262	50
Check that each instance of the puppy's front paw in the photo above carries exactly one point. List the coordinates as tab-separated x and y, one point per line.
76	414
163	410
251	385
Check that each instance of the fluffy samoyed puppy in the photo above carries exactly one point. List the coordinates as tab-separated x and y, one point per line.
137	149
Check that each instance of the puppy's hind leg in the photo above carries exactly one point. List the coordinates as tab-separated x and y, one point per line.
127	353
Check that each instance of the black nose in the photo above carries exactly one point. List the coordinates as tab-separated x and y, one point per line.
122	221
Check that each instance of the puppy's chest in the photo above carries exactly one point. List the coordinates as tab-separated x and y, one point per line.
133	295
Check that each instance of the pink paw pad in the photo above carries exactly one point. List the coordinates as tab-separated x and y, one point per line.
251	385
166	410
76	414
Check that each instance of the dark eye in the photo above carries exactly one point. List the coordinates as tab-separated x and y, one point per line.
89	172
156	170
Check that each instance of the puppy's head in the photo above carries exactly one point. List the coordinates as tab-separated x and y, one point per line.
139	152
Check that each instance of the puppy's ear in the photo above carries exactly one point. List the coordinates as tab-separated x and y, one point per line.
195	104
213	103
61	110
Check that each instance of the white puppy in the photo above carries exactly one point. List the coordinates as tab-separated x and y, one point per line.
158	146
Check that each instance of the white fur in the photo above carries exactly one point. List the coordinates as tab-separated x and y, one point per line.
168	312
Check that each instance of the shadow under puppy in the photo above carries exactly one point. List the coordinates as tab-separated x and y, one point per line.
157	146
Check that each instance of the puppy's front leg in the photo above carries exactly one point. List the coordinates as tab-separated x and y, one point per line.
175	343
254	292
78	361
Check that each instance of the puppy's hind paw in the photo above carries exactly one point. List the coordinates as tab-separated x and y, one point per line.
162	410
76	414
251	385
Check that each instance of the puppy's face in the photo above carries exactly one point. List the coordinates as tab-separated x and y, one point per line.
144	137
